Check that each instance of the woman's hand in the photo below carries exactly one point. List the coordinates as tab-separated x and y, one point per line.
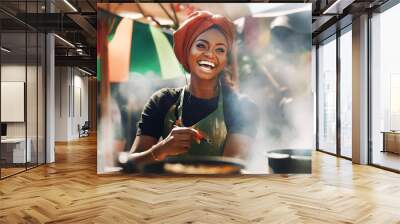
146	149
177	142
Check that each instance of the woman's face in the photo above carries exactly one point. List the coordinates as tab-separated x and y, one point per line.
208	54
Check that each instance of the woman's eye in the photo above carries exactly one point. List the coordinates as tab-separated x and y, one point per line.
221	50
200	45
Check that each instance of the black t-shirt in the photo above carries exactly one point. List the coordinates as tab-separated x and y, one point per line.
240	113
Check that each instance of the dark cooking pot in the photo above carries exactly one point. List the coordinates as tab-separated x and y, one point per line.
286	161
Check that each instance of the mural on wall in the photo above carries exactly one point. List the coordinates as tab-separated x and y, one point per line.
196	88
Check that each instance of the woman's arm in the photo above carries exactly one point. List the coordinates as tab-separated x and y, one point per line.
237	145
147	148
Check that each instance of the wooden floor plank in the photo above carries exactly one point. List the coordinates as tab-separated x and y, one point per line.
70	191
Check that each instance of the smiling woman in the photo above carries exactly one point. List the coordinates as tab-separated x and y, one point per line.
208	55
206	117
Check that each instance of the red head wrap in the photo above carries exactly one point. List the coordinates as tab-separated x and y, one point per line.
193	26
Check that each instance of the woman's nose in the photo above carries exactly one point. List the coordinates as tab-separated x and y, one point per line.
209	54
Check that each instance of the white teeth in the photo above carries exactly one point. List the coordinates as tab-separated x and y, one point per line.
212	65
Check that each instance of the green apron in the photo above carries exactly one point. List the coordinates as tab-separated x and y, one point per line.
212	126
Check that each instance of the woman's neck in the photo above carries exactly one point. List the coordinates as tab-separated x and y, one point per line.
204	89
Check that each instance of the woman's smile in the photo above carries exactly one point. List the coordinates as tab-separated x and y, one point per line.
206	66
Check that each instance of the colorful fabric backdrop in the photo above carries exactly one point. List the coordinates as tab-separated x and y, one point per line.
136	48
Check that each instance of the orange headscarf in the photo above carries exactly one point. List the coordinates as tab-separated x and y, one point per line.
193	26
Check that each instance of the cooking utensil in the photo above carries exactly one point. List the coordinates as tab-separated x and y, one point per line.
286	161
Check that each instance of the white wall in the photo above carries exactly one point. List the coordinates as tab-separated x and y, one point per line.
11	73
33	127
62	81
71	94
16	73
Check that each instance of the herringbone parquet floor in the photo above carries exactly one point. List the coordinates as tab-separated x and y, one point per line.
70	191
